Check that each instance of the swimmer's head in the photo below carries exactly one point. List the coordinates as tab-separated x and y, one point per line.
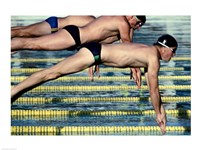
167	41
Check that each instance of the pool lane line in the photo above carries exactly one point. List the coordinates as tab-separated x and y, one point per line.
56	113
93	130
46	100
104	88
102	78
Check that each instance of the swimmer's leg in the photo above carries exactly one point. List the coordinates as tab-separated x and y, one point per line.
78	62
56	41
33	30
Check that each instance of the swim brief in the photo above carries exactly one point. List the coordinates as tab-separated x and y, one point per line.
74	31
95	49
53	22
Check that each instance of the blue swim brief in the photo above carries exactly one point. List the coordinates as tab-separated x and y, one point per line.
53	22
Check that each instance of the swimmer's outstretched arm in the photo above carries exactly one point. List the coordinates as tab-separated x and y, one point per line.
152	82
135	73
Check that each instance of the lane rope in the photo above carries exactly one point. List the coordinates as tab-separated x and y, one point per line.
93	130
43	100
103	78
56	113
104	88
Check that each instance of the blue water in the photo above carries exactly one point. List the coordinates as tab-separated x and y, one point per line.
179	26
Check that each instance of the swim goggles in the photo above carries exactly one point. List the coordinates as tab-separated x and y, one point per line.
173	50
138	22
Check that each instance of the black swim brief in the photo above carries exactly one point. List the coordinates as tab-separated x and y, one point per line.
95	49
53	22
74	31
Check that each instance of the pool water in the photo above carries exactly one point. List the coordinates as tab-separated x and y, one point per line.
179	26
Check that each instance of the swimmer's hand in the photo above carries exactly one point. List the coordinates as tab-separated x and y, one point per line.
97	71
135	74
91	72
161	120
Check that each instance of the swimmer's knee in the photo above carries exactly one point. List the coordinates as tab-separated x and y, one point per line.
46	75
53	76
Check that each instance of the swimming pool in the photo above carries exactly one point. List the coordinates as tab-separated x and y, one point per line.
111	105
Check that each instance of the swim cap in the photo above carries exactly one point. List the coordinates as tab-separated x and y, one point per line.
167	40
142	18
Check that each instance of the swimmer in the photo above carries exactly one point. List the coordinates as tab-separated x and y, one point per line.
104	29
49	25
115	55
